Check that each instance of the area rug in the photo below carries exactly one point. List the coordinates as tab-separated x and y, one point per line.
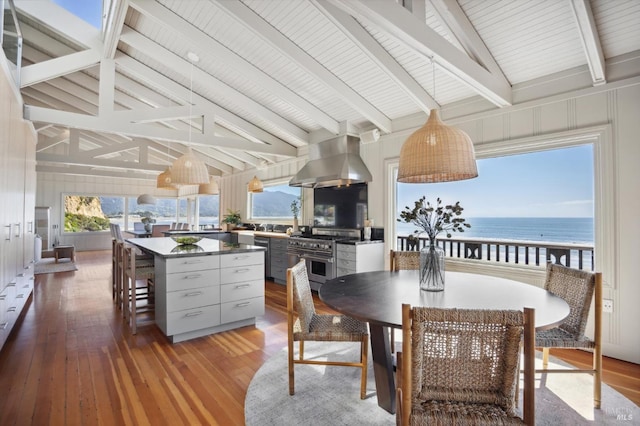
49	266
331	395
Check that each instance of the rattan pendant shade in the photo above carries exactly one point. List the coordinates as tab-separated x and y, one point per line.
210	188
146	199
165	181
189	170
255	185
437	153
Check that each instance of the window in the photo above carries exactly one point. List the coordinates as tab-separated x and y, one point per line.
274	203
541	196
92	213
162	212
209	210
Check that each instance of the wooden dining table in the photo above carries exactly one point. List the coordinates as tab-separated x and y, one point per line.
377	298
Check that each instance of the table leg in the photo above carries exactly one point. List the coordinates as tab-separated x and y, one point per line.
383	367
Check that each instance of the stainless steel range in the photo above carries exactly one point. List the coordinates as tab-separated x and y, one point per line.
319	252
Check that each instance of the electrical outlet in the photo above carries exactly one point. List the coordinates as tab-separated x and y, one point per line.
607	306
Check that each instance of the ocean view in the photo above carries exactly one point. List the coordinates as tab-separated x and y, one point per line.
558	230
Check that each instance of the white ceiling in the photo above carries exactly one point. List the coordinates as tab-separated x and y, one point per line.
274	76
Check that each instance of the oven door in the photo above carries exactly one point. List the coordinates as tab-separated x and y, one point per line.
319	269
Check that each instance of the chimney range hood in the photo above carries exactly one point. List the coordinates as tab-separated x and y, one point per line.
334	162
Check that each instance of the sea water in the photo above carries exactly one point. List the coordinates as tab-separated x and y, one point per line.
564	230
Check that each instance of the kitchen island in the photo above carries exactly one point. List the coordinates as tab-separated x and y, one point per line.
205	288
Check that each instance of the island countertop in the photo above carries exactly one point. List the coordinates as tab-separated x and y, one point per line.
166	247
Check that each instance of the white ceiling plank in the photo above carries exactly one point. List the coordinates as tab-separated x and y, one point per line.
158	114
57	67
116	148
180	65
191	34
76	160
277	40
590	40
63	22
106	85
76	104
377	54
406	28
113	26
90	171
74	142
100	124
161	82
459	26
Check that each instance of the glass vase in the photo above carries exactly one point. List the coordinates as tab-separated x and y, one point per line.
432	268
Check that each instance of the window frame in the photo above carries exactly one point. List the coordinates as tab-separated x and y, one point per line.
274	220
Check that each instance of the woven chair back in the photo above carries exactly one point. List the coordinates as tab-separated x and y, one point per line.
576	288
302	297
466	356
401	260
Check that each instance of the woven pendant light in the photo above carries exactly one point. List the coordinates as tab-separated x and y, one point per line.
146	199
189	170
210	188
255	185
437	153
165	180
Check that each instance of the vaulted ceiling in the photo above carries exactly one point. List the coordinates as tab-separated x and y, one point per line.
275	76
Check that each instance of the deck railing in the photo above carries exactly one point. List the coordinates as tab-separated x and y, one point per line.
579	256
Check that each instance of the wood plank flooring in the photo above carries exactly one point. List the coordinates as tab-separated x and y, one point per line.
73	361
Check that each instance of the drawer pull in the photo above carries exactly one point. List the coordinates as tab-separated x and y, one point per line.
240	271
191	262
11	284
193	314
242	305
241	257
20	296
195	293
243	286
192	277
12	309
3	296
4	326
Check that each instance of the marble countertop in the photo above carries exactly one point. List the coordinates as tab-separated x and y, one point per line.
166	247
263	234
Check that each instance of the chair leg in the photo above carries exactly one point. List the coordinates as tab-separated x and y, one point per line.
301	349
392	340
364	345
290	358
545	358
597	376
132	310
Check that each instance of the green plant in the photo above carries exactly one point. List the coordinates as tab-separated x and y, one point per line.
295	207
434	219
232	217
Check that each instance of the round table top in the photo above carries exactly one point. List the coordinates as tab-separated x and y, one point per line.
378	296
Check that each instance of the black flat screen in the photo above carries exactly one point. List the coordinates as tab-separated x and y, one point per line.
340	207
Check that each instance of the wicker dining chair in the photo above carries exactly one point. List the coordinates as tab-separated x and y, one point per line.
460	366
304	324
577	288
402	260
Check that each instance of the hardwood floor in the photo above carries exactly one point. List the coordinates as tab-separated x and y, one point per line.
72	360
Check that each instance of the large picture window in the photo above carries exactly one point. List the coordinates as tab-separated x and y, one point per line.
274	203
92	213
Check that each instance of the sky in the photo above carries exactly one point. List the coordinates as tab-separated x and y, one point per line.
555	183
89	10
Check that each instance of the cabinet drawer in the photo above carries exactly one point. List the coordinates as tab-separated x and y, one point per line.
192	298
278	244
279	273
239	291
242	309
241	273
347	263
196	263
193	319
346	248
279	262
346	255
241	259
193	279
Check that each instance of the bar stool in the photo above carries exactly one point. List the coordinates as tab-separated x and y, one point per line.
138	286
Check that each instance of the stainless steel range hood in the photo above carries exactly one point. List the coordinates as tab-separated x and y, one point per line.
334	162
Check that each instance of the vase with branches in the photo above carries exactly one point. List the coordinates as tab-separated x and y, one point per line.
432	220
295	209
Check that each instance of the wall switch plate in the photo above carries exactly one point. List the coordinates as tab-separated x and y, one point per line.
607	306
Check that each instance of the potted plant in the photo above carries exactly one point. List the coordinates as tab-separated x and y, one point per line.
231	219
433	219
295	209
148	221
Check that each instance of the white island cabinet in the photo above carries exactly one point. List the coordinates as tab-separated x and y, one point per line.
205	289
358	257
